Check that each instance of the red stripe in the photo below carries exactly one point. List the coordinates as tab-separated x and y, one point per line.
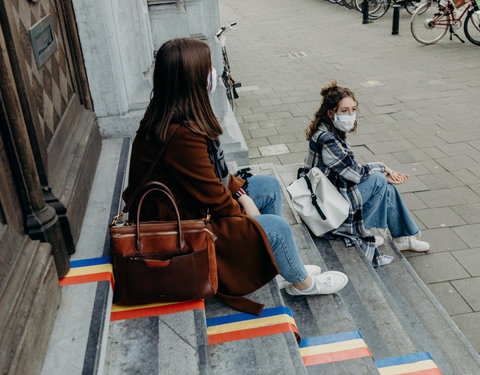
432	371
157	310
317	359
81	279
252	332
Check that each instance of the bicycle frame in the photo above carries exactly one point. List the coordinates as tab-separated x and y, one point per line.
451	12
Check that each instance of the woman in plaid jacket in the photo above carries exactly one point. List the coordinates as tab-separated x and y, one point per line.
370	188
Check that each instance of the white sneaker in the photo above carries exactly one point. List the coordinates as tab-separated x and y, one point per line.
411	243
312	270
379	241
384	259
326	283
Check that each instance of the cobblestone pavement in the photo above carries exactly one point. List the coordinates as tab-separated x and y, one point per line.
419	115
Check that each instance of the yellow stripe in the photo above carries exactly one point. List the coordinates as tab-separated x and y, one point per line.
334	347
253	323
117	308
409	367
88	270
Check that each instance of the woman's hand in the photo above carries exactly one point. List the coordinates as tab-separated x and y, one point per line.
395	178
249	205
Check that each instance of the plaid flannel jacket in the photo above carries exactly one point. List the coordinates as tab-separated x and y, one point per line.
336	160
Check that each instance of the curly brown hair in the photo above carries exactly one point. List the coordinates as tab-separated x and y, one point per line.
331	96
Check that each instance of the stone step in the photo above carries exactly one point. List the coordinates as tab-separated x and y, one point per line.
391	306
78	341
242	343
158	339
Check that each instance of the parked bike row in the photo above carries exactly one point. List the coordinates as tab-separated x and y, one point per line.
431	19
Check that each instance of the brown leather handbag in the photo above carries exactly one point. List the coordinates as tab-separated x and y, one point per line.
163	261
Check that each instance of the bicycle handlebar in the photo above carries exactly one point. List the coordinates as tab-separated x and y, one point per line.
225	28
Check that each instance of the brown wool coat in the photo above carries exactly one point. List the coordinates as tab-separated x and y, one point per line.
244	257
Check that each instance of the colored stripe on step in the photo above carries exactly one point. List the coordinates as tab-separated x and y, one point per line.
333	348
412	364
245	326
89	270
120	312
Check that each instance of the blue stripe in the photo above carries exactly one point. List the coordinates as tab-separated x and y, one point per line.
90	262
329	339
245	316
403	359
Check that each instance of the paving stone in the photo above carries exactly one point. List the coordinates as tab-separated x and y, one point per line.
434	152
427	141
470	234
441	198
295	157
265	159
433	268
456	136
466	176
469	212
455	148
439	217
411	156
256	142
253	118
469	259
413	184
254	153
469	324
454	163
469	289
442	239
274	150
440	180
298	146
279	115
283	138
412	201
263	132
449	298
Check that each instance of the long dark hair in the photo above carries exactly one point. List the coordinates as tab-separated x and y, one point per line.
331	96
180	92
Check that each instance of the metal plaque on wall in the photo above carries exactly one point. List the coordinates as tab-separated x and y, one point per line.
43	40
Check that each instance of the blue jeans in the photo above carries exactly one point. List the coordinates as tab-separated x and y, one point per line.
383	207
265	191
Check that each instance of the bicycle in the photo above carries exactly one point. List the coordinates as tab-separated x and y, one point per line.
429	24
228	81
377	8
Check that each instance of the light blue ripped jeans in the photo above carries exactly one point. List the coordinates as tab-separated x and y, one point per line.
265	191
383	207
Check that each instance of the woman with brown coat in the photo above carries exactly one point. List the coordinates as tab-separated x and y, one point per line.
251	247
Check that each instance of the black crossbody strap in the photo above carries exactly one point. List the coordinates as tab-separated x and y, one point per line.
142	183
314	199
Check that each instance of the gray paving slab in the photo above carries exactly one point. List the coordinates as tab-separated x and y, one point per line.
442	239
439	217
469	259
433	268
450	298
470	234
469	288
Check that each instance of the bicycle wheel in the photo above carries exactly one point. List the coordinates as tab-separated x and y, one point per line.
472	27
412	5
429	24
383	7
376	8
347	4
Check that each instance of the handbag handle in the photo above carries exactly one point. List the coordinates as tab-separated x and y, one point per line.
158	186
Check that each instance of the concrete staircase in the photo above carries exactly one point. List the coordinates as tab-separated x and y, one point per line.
384	321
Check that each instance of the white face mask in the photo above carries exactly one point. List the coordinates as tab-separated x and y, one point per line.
345	123
212	80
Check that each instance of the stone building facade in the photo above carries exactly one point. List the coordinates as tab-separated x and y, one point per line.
72	71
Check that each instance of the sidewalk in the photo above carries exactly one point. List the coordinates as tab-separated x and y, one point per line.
418	108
